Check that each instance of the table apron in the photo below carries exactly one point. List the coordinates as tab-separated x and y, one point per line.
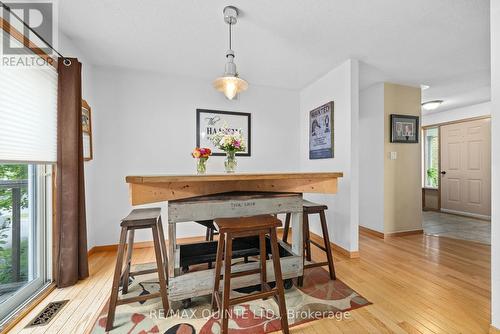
192	211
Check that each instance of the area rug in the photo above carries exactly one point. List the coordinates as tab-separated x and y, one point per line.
318	298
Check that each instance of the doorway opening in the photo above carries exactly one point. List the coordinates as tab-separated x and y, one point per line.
456	168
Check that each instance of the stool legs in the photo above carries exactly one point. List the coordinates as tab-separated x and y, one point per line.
116	280
218	265
224	252
160	254
263	262
286	228
128	263
328	247
163	247
307	237
279	281
161	268
227	283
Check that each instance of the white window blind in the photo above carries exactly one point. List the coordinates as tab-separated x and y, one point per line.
28	113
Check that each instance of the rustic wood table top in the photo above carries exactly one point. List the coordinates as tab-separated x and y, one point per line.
157	188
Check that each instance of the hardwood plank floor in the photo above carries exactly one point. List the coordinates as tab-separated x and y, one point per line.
417	284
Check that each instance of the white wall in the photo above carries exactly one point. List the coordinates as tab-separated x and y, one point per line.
342	86
144	123
475	110
68	49
371	157
495	131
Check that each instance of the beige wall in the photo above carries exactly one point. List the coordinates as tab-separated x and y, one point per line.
402	177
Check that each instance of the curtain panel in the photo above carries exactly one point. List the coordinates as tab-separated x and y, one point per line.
70	231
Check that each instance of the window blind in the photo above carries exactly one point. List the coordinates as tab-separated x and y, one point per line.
28	113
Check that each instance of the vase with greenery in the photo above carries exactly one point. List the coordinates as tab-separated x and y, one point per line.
230	141
201	155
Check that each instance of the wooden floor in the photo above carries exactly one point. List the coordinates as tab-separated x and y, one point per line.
417	284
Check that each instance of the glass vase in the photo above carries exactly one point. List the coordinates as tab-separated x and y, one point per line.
201	166
230	163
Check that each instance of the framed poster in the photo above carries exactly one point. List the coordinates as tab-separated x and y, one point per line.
321	132
208	122
404	129
87	131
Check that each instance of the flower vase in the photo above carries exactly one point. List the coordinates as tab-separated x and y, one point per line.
201	166
230	163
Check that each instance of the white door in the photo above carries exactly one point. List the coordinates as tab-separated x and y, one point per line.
466	168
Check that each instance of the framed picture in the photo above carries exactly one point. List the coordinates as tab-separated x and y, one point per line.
404	129
321	134
208	122
87	131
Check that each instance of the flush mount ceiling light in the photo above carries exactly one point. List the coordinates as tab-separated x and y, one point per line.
432	105
230	83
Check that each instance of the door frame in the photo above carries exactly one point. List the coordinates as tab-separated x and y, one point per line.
438	126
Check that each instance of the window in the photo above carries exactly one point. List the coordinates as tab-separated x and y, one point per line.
28	147
24	270
431	157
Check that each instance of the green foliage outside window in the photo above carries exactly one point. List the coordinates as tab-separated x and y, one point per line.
11	172
432	177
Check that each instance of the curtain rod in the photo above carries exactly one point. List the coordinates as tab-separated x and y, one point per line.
66	61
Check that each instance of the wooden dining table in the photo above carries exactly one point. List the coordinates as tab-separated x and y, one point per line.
207	197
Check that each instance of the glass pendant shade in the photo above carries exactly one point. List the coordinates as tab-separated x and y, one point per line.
230	85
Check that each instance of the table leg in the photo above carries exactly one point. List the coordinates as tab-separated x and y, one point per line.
297	237
172	244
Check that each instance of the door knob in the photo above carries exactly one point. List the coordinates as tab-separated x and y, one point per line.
443	172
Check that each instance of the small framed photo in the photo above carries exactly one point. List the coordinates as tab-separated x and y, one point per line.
404	129
208	122
87	131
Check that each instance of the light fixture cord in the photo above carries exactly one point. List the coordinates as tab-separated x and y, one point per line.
230	24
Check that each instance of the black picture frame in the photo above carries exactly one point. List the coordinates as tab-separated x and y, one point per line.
199	112
398	134
321	144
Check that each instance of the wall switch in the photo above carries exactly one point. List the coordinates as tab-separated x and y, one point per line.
393	155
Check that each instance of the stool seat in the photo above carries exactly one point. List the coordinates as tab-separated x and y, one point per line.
247	223
312	207
141	217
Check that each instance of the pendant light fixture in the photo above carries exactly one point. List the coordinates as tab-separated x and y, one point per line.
230	83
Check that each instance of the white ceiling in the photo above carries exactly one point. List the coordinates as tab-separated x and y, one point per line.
289	43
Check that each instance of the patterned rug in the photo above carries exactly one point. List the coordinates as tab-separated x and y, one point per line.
318	298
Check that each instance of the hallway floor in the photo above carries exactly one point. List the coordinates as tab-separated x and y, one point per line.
456	227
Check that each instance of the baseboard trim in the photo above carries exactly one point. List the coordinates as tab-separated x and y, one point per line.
403	233
466	214
369	232
339	249
140	244
494	330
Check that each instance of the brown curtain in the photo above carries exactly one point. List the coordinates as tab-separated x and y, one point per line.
70	232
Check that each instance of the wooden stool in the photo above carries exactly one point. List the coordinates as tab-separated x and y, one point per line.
139	219
232	228
313	208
